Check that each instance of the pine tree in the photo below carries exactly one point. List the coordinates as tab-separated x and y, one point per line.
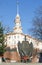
2	46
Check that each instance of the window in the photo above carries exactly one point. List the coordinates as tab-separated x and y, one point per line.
17	36
14	36
9	37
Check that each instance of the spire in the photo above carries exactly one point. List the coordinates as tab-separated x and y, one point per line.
17	28
17	7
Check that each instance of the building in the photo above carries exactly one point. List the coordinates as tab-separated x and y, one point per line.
12	38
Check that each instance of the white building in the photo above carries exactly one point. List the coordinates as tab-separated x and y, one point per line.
17	35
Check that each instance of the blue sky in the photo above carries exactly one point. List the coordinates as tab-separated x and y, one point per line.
26	11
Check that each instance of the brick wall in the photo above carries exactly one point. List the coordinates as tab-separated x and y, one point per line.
12	56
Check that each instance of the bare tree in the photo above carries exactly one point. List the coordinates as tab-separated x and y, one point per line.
37	24
6	29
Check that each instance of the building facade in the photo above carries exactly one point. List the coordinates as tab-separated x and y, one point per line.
12	38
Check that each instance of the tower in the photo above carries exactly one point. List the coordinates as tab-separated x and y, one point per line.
17	28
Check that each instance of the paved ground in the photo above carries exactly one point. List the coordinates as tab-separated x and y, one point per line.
20	63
